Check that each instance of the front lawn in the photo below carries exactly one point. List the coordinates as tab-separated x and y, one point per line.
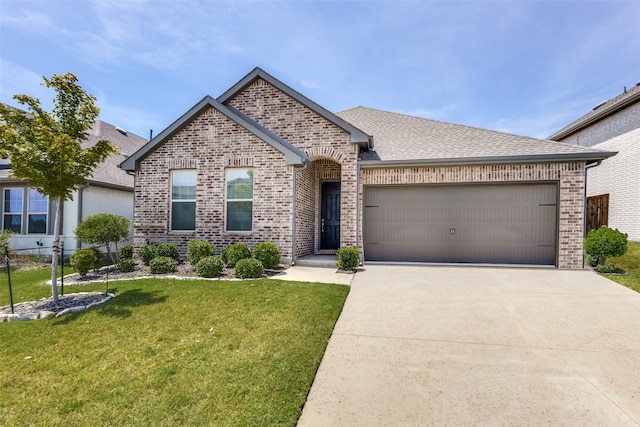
169	352
629	262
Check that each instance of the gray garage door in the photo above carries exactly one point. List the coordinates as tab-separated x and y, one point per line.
497	224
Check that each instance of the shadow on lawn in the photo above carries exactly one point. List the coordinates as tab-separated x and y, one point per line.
120	306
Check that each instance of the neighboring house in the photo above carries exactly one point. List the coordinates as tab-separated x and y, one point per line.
614	186
30	215
264	163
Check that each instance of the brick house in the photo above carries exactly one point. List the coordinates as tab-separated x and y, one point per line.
613	187
264	163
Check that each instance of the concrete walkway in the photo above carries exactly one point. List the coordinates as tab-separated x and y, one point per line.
315	274
421	346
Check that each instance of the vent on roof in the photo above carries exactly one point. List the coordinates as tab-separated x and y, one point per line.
638	83
599	105
122	131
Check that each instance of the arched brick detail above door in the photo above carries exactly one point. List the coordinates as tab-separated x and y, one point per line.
317	153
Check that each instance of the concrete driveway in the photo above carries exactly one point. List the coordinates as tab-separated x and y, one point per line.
422	346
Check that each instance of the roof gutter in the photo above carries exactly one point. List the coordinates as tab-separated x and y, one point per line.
589	158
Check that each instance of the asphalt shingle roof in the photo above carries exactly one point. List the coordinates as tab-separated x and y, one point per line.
600	111
108	171
400	137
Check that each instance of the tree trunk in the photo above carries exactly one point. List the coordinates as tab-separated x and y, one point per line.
54	250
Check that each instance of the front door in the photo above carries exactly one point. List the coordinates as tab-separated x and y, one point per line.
330	216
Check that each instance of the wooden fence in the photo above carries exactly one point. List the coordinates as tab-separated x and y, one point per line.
597	212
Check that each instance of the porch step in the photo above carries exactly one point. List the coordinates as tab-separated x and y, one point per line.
318	260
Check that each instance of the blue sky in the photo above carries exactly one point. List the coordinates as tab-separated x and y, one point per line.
528	68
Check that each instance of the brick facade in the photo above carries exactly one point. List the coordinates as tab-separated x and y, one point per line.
617	124
211	143
569	176
320	140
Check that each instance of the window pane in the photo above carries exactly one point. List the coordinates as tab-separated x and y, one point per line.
37	202
37	224
183	216
13	223
239	216
13	200
183	185
239	184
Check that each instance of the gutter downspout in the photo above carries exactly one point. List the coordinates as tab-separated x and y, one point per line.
358	222
305	164
584	221
80	204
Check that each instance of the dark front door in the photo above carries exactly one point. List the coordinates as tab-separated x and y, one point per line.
330	216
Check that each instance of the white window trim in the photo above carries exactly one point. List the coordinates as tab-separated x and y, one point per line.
21	213
226	201
171	201
29	212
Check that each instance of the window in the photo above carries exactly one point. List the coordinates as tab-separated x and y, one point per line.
37	212
183	200
239	199
12	219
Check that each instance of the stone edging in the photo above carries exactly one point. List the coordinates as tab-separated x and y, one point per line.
44	314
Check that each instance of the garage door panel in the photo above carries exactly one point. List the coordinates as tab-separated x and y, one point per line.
505	224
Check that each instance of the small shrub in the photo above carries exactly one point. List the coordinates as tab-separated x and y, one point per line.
591	261
268	254
608	269
147	253
210	266
199	249
162	265
83	260
169	250
248	268
4	241
604	243
235	252
99	255
126	265
126	252
348	257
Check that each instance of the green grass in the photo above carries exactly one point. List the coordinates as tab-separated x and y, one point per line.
629	262
170	352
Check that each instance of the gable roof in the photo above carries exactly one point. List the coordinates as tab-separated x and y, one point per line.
403	140
600	111
293	155
357	136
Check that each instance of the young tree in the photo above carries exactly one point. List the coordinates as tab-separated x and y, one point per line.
45	148
104	229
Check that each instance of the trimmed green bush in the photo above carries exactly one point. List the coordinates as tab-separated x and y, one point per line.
348	257
248	268
83	260
199	249
604	243
126	265
169	250
268	253
235	252
210	266
126	252
162	265
147	253
608	269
